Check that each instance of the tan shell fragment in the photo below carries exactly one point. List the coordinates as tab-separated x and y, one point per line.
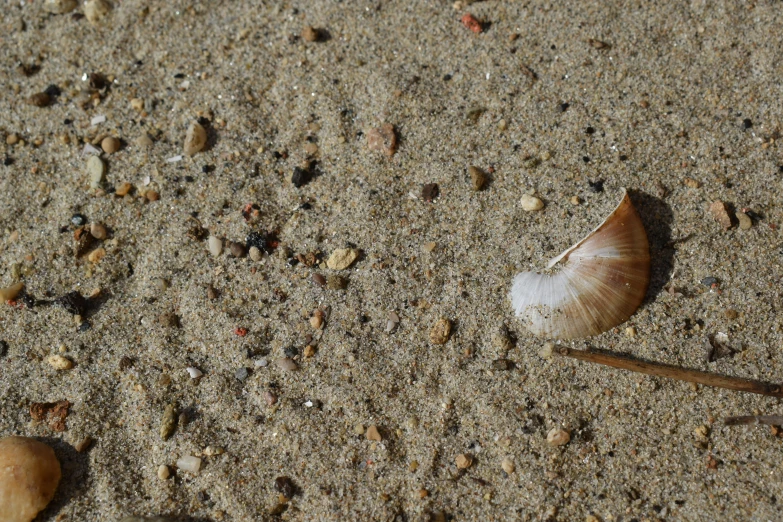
603	280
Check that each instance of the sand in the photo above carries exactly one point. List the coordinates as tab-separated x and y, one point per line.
681	105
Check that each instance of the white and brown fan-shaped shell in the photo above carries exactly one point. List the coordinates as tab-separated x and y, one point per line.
602	281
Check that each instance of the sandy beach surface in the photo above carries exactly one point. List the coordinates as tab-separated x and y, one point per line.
319	393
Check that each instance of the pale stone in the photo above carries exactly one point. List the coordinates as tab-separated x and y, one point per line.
58	362
60	6
215	245
96	170
530	203
195	139
29	475
96	10
464	461
342	258
557	437
372	433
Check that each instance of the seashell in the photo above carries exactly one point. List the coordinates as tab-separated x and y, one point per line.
601	282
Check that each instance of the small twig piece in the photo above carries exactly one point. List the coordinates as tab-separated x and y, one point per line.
769	420
673	372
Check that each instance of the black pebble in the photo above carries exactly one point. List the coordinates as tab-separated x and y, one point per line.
301	177
8	161
586	159
260	241
78	220
291	352
73	302
596	186
746	123
3	348
285	486
206	169
53	91
563	107
590	130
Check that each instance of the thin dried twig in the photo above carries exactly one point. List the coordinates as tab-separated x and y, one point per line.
769	420
673	372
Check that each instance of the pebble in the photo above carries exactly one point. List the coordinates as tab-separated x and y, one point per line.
123	189
144	141
78	220
98	231
96	170
11	139
96	10
430	192
236	249
242	374
285	486
464	461
557	437
317	320
301	177
58	362
392	321
146	519
189	463
372	433
96	255
270	398
441	331
84	444
310	34
195	139
163	472
745	223
531	203
152	195
470	21
286	363
630	331
110	144
215	246
309	351
383	139
29	475
508	465
255	253
319	280
335	282
60	6
575	200
342	258
194	372
168	423
692	183
720	214
9	293
359	429
477	177
39	99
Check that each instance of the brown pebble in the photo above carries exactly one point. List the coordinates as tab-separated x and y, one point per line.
720	214
335	282
195	139
319	279
270	398
168	422
310	34
477	178
317	319
236	249
212	292
598	44
464	461
372	433
430	192
692	183
39	99
110	144
168	319
152	195
731	314
29	476
440	332
123	189
98	231
383	139
557	437
84	444
309	351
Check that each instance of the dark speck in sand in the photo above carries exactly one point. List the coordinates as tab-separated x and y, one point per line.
596	186
264	242
73	302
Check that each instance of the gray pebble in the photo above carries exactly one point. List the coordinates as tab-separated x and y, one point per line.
286	364
242	374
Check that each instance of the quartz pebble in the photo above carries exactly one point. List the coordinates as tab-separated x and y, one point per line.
464	461
110	144
96	170
286	364
215	246
372	433
96	10
508	465
29	475
255	253
721	215
189	463
342	258
194	372
195	139
163	472
531	203
383	139
58	362
557	437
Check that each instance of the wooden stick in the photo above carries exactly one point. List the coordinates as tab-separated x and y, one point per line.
769	420
673	372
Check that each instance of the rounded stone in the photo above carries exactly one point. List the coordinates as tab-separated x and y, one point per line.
110	144
96	170
531	203
557	437
215	246
29	475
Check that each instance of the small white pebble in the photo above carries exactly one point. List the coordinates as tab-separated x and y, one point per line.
174	159
546	350
263	362
308	404
530	203
194	372
90	149
58	362
163	472
215	246
189	463
96	120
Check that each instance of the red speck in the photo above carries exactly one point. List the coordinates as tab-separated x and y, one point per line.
469	21
241	332
773	226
